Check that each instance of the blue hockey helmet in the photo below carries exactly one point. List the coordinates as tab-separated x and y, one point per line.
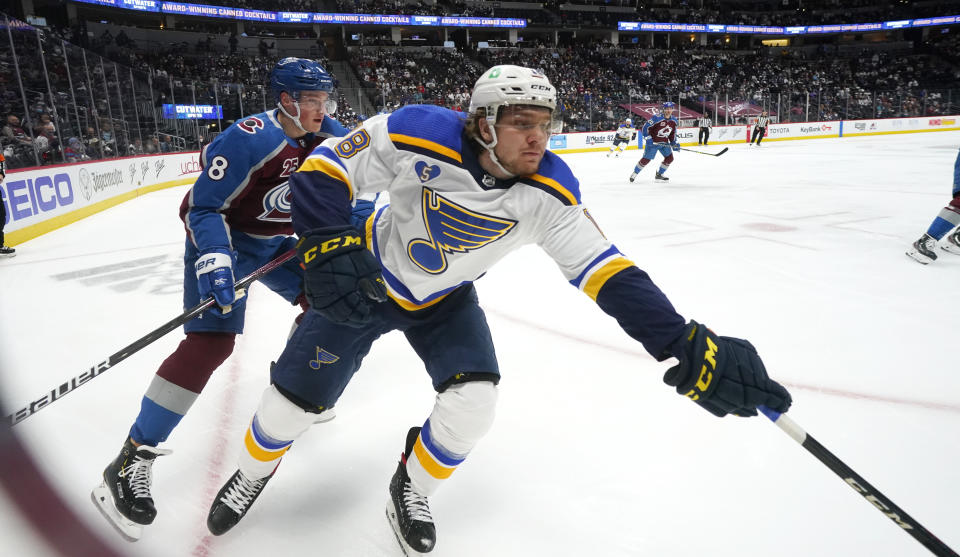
668	104
299	74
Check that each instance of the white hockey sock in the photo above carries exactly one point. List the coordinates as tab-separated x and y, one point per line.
276	425
461	416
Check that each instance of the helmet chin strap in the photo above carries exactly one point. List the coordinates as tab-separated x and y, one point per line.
296	119
493	156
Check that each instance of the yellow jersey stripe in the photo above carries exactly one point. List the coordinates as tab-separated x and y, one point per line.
430	464
410	306
258	452
317	164
602	275
556	186
426	144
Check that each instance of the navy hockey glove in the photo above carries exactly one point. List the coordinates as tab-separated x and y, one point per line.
724	375
341	278
215	278
634	136
675	146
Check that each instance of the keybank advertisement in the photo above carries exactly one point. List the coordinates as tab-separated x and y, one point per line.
802	129
34	196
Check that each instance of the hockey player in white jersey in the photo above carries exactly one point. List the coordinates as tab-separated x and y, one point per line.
464	193
625	133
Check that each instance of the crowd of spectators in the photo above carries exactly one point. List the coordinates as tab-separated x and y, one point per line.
396	77
101	102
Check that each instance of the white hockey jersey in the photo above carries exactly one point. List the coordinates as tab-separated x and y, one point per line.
626	132
448	221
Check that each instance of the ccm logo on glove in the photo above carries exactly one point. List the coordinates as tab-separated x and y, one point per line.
330	245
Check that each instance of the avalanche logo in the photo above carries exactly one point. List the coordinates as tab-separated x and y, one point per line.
276	204
425	172
452	229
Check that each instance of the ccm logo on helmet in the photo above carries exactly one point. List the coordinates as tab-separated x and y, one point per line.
541	87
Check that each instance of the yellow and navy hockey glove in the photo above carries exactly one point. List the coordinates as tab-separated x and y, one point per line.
724	375
341	280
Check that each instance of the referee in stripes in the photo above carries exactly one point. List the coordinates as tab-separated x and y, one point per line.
760	129
704	124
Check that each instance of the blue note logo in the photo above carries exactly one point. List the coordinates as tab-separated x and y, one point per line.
323	358
452	229
426	172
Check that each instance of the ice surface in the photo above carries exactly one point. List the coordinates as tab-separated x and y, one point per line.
797	246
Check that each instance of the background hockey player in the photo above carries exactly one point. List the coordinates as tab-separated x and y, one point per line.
625	133
464	194
660	135
5	250
237	218
924	250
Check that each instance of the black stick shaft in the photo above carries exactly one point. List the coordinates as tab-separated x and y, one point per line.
72	384
724	150
860	485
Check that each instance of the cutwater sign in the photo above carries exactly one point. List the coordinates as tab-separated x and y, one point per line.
192	111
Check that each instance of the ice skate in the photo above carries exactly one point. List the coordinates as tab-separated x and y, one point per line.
233	501
123	496
7	251
661	177
923	249
408	511
951	243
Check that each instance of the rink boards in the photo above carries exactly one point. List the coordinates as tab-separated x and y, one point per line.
42	199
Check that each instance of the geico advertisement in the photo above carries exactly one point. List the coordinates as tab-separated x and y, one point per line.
33	196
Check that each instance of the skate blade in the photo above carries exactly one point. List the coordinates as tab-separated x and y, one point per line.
950	248
395	526
919	257
103	499
8	255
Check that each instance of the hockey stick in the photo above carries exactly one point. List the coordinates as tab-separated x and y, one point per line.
725	149
860	485
68	386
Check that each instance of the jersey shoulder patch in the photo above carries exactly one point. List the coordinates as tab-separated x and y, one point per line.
250	138
428	130
556	179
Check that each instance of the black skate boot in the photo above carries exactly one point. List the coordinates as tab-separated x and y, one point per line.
408	511
233	501
952	245
923	249
7	251
661	177
124	495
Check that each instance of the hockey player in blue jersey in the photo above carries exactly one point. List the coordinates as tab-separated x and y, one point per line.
660	135
464	193
622	137
947	223
237	218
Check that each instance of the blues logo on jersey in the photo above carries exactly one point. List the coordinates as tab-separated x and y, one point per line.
452	229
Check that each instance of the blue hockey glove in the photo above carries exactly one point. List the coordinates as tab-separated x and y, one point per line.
215	278
341	277
360	212
675	146
724	375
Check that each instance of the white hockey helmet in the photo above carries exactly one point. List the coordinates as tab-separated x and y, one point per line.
628	122
511	85
508	85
